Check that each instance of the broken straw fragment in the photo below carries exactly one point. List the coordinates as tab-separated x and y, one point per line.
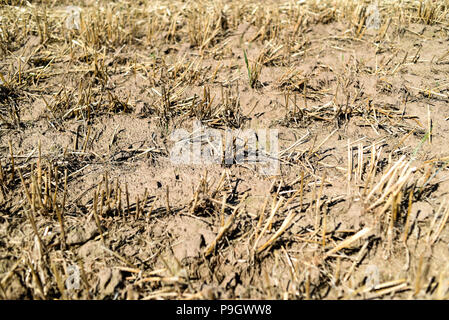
347	242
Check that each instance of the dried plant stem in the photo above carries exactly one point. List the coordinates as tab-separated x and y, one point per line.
97	219
221	232
274	209
346	243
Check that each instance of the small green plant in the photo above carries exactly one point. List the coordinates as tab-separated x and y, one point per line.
419	146
253	72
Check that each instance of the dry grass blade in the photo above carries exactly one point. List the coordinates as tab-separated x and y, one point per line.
347	242
221	232
278	233
274	209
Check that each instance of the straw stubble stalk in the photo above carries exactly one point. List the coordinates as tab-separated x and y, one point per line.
59	282
127	199
222	211
384	178
278	233
261	216
119	203
25	188
349	171
61	225
168	200
195	201
97	219
12	160
441	224
151	208
389	287
318	203
137	208
394	186
221	232
36	232
36	279
39	167
274	209
56	186
347	242
373	166
408	218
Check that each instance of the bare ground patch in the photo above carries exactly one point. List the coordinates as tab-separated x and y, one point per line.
359	208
